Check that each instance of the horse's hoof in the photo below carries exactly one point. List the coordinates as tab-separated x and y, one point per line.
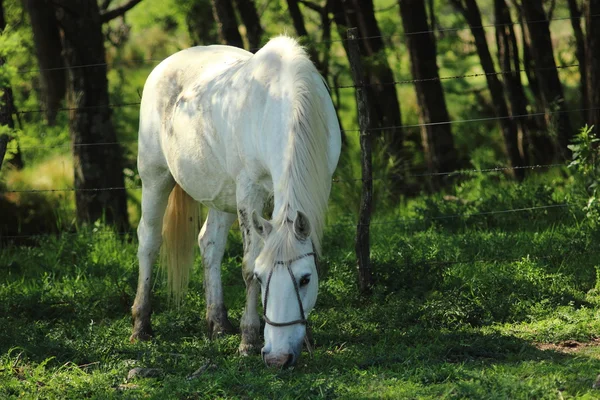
220	328
248	349
141	336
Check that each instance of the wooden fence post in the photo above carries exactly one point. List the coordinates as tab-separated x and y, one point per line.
362	245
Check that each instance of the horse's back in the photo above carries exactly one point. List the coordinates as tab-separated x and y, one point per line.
182	69
165	84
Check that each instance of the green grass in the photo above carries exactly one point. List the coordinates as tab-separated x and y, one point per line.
480	305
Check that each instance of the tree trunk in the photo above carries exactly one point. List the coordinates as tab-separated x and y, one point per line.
96	167
592	10
385	107
227	23
297	18
48	50
436	132
471	13
7	105
575	13
300	27
509	60
201	24
542	53
249	15
541	147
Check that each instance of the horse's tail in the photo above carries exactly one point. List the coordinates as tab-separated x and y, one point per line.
180	230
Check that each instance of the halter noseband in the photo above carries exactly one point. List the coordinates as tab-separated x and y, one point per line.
288	264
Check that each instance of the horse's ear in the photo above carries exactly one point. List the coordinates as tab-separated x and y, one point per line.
261	225
301	226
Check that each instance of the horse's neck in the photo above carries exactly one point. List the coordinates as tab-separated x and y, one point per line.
285	201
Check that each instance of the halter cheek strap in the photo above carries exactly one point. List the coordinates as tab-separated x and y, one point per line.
288	264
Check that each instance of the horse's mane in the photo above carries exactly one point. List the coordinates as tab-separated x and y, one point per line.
306	180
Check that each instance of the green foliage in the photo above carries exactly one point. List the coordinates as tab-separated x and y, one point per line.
586	165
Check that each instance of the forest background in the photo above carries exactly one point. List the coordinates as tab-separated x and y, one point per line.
515	96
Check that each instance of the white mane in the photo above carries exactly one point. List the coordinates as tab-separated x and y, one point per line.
306	181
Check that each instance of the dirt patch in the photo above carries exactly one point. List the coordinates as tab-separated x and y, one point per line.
568	346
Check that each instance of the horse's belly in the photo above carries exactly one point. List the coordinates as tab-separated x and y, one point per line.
205	180
220	198
213	191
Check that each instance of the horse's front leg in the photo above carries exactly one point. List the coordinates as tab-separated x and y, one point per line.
212	240
250	197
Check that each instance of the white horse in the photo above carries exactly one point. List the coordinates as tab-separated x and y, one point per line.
229	129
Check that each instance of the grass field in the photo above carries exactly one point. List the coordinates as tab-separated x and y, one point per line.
492	293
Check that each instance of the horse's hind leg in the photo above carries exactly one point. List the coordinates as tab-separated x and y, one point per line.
155	195
212	240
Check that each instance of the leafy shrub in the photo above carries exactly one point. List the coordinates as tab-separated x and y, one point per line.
586	165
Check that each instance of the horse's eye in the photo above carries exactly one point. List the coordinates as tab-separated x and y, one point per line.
304	280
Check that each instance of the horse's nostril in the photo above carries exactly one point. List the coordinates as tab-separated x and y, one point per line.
289	362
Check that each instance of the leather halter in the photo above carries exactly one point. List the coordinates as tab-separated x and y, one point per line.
288	264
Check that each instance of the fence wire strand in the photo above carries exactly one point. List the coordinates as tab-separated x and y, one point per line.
483	119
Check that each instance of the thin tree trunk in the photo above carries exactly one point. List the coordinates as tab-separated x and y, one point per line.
541	147
6	103
471	13
249	15
575	13
7	106
227	23
529	66
297	18
542	53
300	27
592	10
509	60
201	24
96	167
437	139
326	38
385	107
48	50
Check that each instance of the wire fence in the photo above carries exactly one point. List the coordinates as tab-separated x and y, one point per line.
13	147
377	223
334	87
376	129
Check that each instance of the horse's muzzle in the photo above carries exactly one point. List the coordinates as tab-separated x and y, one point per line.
278	360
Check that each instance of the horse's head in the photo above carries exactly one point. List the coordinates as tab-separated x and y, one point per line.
287	273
